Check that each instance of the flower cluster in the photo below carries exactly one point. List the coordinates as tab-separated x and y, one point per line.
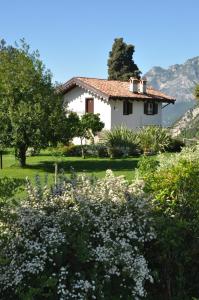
82	239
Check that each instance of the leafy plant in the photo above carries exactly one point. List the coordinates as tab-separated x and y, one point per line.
120	141
174	255
153	139
89	125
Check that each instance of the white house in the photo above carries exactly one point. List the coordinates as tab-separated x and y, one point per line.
118	103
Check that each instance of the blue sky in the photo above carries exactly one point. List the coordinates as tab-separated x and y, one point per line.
74	37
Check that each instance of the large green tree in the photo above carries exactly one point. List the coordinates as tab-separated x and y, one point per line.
120	63
31	112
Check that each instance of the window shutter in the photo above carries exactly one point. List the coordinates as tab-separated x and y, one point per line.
155	108
125	108
145	108
130	108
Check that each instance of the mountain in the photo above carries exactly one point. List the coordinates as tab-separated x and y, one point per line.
188	125
178	81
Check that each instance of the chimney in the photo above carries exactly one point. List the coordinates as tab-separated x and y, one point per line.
143	84
134	85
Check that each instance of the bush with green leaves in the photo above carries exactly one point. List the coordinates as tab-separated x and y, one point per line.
174	254
147	165
120	141
9	186
153	139
175	145
81	239
92	150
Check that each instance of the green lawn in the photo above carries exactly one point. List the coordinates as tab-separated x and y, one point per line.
44	164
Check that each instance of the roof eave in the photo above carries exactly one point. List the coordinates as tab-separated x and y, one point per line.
78	82
159	99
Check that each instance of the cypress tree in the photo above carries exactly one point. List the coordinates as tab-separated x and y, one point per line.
120	63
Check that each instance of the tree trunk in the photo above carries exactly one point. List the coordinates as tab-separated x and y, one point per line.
22	156
56	171
82	148
1	160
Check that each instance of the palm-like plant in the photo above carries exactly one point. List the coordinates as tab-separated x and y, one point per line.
153	139
119	140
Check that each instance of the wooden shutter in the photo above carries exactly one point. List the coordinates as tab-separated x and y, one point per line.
146	108
89	105
125	107
155	108
130	107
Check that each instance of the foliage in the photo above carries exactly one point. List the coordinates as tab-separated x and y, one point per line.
120	141
82	239
153	139
174	255
120	63
175	145
89	125
31	151
31	113
90	150
147	165
8	187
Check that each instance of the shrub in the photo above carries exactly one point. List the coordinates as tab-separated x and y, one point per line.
81	239
102	150
31	151
153	139
174	255
72	150
8	187
175	145
120	141
147	165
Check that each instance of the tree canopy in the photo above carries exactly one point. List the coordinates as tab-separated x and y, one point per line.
31	112
89	125
121	65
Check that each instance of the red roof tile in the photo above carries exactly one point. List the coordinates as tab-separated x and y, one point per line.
114	89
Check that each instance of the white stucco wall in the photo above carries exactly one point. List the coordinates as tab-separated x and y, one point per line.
111	113
74	100
137	118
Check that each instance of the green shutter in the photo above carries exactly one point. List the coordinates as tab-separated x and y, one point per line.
155	108
125	108
146	108
130	108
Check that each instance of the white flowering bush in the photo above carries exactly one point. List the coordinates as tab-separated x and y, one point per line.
82	239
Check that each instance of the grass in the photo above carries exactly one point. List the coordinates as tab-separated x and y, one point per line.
44	164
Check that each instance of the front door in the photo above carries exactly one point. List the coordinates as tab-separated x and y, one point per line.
89	105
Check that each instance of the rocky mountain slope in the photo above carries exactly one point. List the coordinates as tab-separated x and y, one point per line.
178	81
188	125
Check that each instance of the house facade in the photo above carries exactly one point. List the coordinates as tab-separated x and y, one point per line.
132	103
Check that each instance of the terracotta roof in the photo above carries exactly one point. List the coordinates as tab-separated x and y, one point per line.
113	89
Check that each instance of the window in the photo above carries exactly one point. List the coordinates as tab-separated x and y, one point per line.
127	107
150	108
89	105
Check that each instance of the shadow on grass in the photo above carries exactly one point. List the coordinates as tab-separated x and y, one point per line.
86	165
